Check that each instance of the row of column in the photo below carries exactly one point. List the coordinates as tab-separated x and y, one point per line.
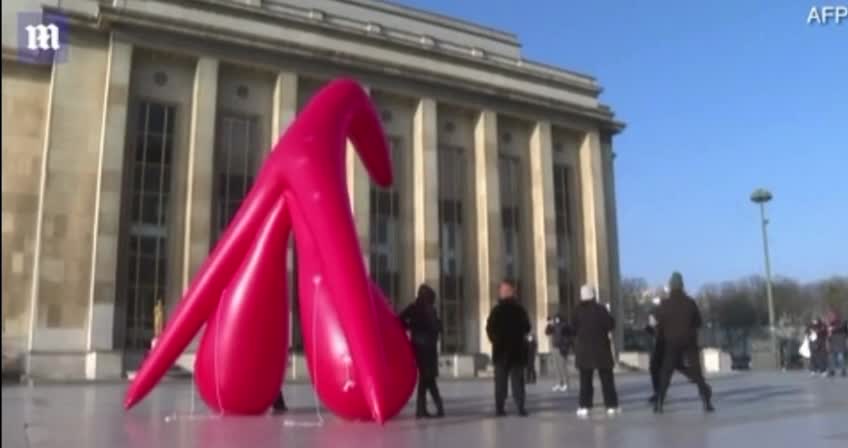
487	259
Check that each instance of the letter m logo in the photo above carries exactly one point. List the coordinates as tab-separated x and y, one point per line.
42	37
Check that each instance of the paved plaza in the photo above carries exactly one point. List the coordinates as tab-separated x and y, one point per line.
764	409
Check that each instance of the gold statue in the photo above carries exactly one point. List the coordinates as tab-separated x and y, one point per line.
158	318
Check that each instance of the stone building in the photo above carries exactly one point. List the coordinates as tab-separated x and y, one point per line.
123	162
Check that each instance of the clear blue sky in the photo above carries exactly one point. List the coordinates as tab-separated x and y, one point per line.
720	97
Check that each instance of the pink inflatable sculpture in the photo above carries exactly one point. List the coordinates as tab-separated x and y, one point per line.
351	336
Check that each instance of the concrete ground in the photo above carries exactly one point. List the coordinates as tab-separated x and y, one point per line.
754	409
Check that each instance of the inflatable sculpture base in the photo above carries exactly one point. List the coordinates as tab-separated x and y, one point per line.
350	334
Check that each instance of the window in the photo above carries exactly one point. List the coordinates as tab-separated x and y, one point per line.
564	239
237	151
510	178
384	236
452	240
147	236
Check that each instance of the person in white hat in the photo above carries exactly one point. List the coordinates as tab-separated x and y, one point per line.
592	326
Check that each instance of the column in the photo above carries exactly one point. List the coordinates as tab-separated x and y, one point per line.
543	229
359	189
285	105
595	225
201	159
612	219
425	194
284	111
101	316
199	178
487	218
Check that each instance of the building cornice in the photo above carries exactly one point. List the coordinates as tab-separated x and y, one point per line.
357	29
109	17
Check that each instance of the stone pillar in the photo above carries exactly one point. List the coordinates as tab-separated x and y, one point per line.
285	105
199	175
425	194
201	165
612	219
543	229
487	217
66	214
359	189
595	225
283	113
100	363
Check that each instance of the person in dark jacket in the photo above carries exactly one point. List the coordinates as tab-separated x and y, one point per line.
678	322
532	350
507	328
658	351
593	351
838	345
817	332
561	341
423	323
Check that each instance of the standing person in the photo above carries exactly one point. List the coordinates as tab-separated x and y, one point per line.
560	334
838	335
532	350
593	351
507	328
658	350
818	347
678	322
423	323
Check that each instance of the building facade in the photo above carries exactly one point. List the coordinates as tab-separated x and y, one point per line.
123	163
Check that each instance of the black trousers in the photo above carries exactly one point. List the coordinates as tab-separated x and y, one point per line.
656	367
587	389
505	373
428	384
689	358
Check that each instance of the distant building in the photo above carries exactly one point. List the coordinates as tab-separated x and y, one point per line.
123	163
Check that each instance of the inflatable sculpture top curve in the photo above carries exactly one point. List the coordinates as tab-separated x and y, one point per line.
349	331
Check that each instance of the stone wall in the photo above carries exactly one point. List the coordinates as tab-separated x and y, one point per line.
64	258
25	95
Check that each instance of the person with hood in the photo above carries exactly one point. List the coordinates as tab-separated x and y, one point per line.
560	333
424	326
678	322
658	350
507	328
593	351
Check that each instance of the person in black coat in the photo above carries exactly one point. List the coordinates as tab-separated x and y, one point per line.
678	322
423	323
658	352
507	328
593	351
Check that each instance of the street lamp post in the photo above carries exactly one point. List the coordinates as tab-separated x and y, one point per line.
761	196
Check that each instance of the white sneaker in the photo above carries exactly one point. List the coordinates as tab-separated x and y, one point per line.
613	411
557	388
564	388
582	412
